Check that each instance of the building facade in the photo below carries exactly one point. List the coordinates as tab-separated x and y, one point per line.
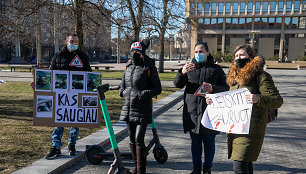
275	28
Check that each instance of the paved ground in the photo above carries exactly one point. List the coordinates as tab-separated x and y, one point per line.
283	151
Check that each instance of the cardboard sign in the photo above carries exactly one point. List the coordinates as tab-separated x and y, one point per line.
229	112
66	98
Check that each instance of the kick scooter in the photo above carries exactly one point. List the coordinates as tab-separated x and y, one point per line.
117	164
95	153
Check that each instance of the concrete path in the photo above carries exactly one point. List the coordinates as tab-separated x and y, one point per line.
283	151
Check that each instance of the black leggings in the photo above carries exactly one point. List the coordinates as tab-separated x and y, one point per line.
137	133
241	167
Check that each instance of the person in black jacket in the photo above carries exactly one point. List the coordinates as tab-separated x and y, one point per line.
192	75
140	82
72	59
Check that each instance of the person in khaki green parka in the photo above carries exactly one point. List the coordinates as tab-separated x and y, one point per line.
247	72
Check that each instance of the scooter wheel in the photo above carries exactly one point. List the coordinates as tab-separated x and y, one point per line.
160	155
94	154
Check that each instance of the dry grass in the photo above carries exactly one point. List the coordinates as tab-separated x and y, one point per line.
21	143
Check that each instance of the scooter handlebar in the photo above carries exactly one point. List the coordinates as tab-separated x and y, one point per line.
104	88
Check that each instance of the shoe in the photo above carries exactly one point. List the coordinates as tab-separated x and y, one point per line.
54	152
196	169
72	150
206	170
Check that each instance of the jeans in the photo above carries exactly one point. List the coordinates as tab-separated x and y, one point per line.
241	167
58	133
208	139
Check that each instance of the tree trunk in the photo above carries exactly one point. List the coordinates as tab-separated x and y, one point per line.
161	52
38	35
78	27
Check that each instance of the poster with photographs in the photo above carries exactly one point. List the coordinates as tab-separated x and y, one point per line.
42	79
66	98
60	81
77	82
93	81
89	101
44	106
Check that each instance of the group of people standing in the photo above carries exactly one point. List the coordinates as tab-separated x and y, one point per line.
140	82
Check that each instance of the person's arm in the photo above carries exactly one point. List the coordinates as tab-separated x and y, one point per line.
155	85
221	85
269	95
122	85
53	65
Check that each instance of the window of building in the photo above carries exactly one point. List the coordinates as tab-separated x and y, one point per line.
264	22
242	23
228	22
242	7
257	23
235	7
200	8
213	23
200	20
228	7
235	23
206	23
297	5
221	6
273	6
250	7
257	7
248	23
295	22
220	23
289	6
287	22
192	8
271	22
265	6
206	8
213	7
278	23
280	6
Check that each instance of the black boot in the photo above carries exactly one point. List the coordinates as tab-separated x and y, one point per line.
134	156
206	170
72	150
196	169
141	160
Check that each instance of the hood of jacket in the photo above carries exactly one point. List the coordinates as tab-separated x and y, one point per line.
244	75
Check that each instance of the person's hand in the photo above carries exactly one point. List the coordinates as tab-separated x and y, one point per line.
252	98
187	67
208	100
208	87
32	85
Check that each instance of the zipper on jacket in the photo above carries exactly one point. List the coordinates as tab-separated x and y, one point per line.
132	73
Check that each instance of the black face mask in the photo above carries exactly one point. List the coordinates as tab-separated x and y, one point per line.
136	59
241	62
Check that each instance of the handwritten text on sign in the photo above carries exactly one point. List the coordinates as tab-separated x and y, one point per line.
67	111
229	112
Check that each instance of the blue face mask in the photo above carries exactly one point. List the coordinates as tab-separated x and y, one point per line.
199	57
72	47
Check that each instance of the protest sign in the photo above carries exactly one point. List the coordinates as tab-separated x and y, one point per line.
229	112
66	98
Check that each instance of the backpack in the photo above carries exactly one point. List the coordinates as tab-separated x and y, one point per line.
272	113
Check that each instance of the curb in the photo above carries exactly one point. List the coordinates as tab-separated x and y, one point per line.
98	138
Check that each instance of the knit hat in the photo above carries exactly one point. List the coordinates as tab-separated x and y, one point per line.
140	46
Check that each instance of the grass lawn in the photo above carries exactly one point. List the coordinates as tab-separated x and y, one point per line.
21	143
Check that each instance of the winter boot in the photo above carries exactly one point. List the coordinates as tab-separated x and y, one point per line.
54	152
134	156
196	169
72	150
141	160
206	170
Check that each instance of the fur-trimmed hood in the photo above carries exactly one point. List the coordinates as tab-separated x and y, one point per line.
245	74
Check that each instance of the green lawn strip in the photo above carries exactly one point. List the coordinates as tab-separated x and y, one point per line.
21	143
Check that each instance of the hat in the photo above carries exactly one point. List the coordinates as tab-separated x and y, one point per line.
140	46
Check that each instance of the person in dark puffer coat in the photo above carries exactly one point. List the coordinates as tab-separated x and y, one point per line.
200	69
140	82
